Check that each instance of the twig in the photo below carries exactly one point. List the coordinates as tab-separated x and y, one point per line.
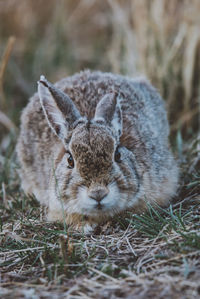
4	196
4	120
131	248
3	65
103	274
186	200
21	250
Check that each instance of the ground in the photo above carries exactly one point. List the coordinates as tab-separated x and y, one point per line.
155	254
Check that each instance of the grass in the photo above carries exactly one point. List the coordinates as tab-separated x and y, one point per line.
144	255
154	254
55	260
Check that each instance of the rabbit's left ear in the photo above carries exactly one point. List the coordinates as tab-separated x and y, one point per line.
109	110
59	109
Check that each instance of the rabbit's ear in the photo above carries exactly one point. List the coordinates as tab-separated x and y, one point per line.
58	108
109	110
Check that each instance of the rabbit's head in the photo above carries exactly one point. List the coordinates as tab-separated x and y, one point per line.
94	175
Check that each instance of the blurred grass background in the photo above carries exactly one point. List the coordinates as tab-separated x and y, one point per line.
158	38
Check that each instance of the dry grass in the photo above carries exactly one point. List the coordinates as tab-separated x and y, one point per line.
136	256
157	38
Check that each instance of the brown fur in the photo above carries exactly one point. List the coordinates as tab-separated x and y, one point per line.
90	116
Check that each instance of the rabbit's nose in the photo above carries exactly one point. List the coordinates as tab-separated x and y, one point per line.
98	194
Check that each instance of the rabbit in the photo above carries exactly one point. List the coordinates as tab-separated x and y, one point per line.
95	145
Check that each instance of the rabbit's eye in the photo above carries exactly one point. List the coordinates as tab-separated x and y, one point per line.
70	160
117	156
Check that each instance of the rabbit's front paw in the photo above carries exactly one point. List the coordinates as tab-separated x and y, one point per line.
86	228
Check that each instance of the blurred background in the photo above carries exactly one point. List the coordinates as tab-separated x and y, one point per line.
159	39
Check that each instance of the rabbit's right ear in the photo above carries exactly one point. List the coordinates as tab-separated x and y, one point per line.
108	109
58	108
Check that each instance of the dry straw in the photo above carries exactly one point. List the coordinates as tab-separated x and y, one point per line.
5	58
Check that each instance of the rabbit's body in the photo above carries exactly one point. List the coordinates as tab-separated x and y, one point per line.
99	157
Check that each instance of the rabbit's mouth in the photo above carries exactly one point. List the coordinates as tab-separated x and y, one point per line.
103	203
99	206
